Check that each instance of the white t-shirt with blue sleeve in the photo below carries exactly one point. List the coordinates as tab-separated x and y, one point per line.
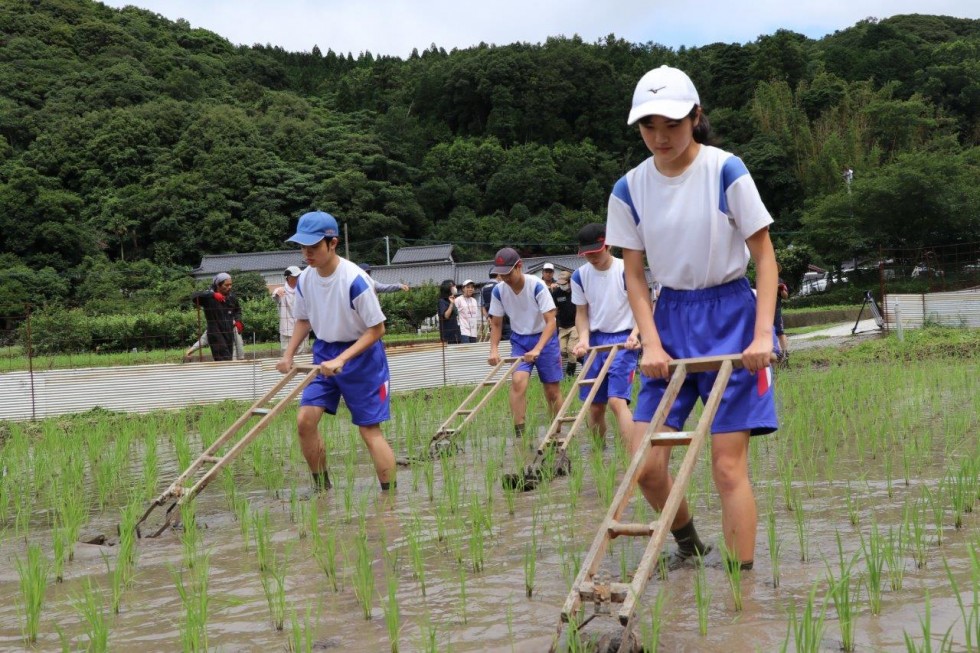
526	310
340	307
604	292
693	227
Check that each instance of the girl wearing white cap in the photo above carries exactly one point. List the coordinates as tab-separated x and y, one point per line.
469	313
696	214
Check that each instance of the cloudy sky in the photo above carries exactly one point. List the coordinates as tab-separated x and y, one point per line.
396	26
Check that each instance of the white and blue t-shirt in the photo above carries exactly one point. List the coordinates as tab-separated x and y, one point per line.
604	292
693	227
340	307
525	310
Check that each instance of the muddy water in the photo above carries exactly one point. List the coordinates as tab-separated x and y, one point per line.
496	614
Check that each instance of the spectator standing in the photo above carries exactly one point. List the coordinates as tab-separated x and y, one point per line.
285	298
448	314
220	315
485	296
782	292
533	338
334	298
561	292
469	313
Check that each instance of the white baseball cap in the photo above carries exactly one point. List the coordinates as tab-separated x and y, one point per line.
547	266
292	271
666	92
468	282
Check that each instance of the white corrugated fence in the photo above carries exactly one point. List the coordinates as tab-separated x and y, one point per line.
144	388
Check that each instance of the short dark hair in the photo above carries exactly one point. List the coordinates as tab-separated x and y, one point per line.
445	287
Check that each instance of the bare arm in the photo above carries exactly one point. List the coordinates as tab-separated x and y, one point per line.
653	361
301	330
583	328
496	329
550	325
757	355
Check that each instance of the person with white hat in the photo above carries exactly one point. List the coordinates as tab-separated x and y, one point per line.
694	211
285	297
468	313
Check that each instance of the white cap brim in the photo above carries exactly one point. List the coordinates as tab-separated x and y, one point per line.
672	109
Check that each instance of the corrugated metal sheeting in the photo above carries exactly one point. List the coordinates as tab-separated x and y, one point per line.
958	309
143	388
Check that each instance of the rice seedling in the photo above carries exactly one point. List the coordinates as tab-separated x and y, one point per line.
451	481
604	476
363	577
33	575
652	627
477	526
428	637
92	611
916	531
194	599
907	462
846	604
264	553
702	596
301	636
853	506
894	553
151	465
806	630
428	473
190	536
274	587
962	490
925	622
323	546
392	614
935	503
801	527
243	514
733	573
971	617
874	560
773	538
530	564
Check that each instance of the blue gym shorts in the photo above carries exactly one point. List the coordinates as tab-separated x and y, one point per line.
364	384
711	322
619	378
548	363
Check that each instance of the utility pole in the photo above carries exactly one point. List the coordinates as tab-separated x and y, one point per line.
346	244
388	250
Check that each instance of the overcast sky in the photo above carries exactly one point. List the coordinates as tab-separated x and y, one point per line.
396	26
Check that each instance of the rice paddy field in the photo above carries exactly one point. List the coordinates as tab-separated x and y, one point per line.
868	539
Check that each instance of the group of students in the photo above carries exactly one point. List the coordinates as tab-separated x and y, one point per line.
694	213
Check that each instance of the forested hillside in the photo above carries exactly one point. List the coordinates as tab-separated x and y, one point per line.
132	144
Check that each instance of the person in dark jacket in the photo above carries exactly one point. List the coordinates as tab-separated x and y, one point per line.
223	315
449	331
